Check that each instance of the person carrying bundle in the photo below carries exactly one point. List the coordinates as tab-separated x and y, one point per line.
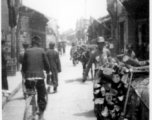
98	57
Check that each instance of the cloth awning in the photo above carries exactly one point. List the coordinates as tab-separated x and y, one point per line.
71	34
115	9
105	19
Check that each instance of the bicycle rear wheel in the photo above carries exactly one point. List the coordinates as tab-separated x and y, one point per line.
30	108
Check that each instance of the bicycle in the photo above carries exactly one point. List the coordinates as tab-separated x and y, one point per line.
31	102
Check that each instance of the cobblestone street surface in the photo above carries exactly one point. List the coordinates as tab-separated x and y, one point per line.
73	101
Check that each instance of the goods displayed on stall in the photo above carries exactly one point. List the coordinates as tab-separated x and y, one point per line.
120	88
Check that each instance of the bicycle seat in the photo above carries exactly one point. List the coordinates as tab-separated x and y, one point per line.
30	92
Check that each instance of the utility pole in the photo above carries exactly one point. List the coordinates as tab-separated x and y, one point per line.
85	9
85	34
117	34
57	10
115	29
18	41
13	42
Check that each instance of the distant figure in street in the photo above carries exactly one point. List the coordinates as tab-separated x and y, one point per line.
64	47
35	62
5	90
72	51
55	65
59	48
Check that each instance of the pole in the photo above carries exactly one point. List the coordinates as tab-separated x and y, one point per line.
127	96
117	29
85	9
85	27
18	42
13	42
57	10
118	38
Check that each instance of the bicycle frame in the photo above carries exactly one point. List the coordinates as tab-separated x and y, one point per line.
31	100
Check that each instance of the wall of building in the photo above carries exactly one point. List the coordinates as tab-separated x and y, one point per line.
132	27
122	35
4	16
37	26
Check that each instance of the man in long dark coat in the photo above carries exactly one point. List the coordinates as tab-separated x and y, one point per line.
55	65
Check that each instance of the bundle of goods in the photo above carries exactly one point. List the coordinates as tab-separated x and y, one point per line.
109	93
82	52
113	91
73	54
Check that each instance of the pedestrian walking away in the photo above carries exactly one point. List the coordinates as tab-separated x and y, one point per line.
55	65
59	48
64	47
72	52
34	62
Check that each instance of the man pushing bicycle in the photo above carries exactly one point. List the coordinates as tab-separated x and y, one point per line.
34	62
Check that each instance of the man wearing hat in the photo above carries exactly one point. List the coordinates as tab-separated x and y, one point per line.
55	65
97	57
34	63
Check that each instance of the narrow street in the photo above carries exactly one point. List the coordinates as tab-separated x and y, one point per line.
73	101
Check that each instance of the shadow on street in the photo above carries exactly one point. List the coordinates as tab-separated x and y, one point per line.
77	80
88	114
19	98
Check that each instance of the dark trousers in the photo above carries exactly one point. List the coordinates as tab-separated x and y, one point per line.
4	80
55	78
41	91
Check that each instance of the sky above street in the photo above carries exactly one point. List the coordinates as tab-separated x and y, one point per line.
67	12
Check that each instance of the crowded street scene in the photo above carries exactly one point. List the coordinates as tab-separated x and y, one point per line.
75	59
